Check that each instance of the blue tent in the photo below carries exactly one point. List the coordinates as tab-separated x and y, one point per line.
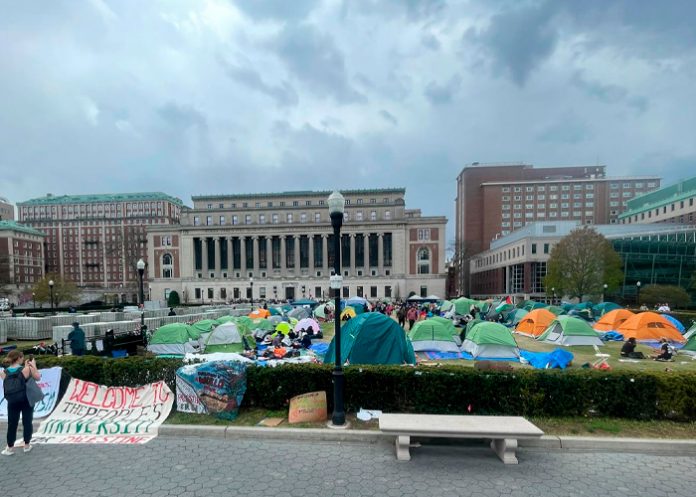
677	324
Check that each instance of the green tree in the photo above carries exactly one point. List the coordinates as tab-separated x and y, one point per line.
63	291
673	295
581	263
173	300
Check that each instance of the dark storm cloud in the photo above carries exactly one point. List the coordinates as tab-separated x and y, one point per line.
315	60
610	93
389	117
518	40
441	94
182	116
283	94
276	9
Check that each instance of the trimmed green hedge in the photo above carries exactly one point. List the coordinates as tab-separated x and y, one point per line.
445	389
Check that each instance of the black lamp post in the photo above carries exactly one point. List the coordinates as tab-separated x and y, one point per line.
604	292
336	207
141	272
50	288
33	299
553	296
251	291
638	293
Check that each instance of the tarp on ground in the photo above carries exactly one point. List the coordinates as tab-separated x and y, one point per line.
558	358
372	338
570	331
224	338
434	334
649	327
535	323
175	339
488	339
612	320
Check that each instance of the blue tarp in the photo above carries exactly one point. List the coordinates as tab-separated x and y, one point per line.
434	355
319	348
559	358
612	336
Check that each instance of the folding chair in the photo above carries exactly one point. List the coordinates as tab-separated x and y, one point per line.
601	360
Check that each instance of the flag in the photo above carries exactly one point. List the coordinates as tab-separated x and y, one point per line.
504	305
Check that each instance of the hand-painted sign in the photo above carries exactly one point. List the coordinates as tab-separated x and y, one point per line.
91	413
310	407
49	384
215	387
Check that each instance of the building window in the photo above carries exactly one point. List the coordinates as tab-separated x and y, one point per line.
289	217
262	218
303	217
247	219
295	203
373	215
424	234
387	215
359	216
209	220
423	260
317	217
167	267
235	219
274	218
196	220
222	220
424	291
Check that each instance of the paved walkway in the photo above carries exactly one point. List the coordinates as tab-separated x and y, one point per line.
208	467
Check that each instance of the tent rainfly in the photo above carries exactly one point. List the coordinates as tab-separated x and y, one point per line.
488	340
569	331
434	334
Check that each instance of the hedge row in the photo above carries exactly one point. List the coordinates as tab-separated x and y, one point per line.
445	390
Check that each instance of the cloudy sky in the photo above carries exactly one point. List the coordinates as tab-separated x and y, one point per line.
230	96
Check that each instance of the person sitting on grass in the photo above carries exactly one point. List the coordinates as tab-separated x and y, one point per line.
629	350
665	352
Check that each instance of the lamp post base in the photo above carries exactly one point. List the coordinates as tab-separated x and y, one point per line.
344	426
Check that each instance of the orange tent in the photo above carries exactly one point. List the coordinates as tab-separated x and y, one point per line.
260	313
649	326
535	323
612	320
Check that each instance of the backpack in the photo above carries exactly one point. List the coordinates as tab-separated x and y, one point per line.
15	386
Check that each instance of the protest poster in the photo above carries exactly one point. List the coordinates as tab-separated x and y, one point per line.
49	384
92	413
307	408
215	387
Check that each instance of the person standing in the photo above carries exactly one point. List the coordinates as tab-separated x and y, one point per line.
411	315
15	390
77	340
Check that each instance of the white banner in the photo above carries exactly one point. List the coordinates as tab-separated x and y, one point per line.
49	384
91	413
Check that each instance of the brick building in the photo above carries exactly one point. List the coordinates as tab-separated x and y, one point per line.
671	204
494	200
6	210
284	242
96	240
21	256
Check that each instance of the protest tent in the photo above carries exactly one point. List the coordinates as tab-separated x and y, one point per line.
569	331
224	338
488	340
471	324
605	307
535	323
244	323
299	313
463	305
205	325
174	339
690	347
348	313
434	334
555	309
372	338
283	328
612	320
649	327
531	305
515	316
225	319
446	306
322	311
675	322
302	302
307	323
259	313
690	332
275	311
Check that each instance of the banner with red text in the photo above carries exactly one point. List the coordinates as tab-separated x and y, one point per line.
91	413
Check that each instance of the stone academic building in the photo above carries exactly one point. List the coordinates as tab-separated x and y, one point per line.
280	246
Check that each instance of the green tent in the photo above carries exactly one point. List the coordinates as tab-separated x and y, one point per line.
690	347
372	338
690	332
174	339
302	302
225	319
600	310
515	316
434	334
530	305
224	338
262	324
446	305
205	325
487	340
244	323
471	324
275	311
463	305
557	310
569	331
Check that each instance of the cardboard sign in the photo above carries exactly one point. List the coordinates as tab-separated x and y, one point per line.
310	407
49	384
91	413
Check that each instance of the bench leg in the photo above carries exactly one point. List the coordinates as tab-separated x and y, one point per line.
402	448
505	448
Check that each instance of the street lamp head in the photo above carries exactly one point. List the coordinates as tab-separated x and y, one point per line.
140	265
638	284
606	286
51	283
251	280
337	203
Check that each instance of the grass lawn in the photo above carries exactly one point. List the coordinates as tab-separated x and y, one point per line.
599	427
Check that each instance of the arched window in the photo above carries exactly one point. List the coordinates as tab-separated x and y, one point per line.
423	260
167	266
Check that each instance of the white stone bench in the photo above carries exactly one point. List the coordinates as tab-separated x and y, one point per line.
503	431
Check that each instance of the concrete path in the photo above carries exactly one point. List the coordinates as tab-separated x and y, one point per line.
197	466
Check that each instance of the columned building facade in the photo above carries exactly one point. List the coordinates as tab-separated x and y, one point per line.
285	243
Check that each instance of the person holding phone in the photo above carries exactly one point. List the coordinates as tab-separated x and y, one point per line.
15	378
